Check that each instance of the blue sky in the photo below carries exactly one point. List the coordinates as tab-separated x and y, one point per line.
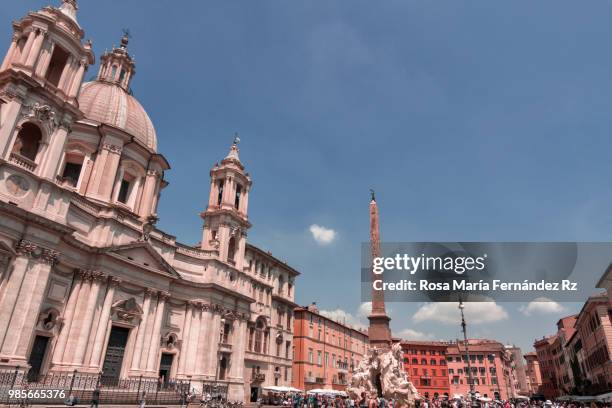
480	120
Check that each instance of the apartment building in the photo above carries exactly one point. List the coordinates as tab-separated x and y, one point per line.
325	351
425	364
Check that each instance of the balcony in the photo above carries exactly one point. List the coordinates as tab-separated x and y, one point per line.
22	162
225	347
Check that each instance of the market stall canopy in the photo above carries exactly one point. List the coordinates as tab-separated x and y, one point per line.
326	391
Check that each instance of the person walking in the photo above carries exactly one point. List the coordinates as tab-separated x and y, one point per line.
143	400
95	398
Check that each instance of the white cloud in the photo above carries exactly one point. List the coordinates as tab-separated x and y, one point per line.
409	334
364	310
322	235
541	306
448	313
357	320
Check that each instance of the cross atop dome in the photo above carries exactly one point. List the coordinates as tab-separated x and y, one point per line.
233	153
126	38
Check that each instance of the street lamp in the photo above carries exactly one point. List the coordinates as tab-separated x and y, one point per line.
467	356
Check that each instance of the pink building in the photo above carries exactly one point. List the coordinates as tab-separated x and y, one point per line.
87	282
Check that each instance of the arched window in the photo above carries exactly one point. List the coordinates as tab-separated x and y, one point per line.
28	141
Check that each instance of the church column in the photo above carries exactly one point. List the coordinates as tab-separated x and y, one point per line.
214	336
7	303
156	336
7	130
244	201
203	346
54	152
9	55
238	337
227	191
77	79
194	338
36	47
142	327
148	192
61	85
45	59
184	356
28	46
67	317
29	295
105	171
96	354
87	316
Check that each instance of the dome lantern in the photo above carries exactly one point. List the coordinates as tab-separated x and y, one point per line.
117	66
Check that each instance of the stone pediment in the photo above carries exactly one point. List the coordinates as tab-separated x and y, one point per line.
142	254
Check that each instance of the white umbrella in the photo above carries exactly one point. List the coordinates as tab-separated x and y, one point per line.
604	397
277	388
326	391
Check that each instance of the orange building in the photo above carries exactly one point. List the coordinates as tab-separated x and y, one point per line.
325	352
492	369
425	364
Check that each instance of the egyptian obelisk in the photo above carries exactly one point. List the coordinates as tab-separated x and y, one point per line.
378	331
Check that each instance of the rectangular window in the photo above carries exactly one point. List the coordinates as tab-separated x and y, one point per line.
220	194
310	356
72	171
237	197
59	58
123	191
319	358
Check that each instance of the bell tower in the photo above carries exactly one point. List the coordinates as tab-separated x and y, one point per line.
225	219
40	78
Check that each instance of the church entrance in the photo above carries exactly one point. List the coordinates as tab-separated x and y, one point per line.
114	354
254	394
37	357
165	365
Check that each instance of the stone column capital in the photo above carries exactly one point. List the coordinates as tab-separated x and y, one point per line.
35	251
114	281
163	295
112	148
150	291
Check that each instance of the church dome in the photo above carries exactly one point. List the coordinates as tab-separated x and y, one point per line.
110	104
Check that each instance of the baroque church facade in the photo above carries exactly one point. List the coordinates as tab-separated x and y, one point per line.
87	282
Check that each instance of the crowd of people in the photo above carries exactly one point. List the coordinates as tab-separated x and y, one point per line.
300	400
